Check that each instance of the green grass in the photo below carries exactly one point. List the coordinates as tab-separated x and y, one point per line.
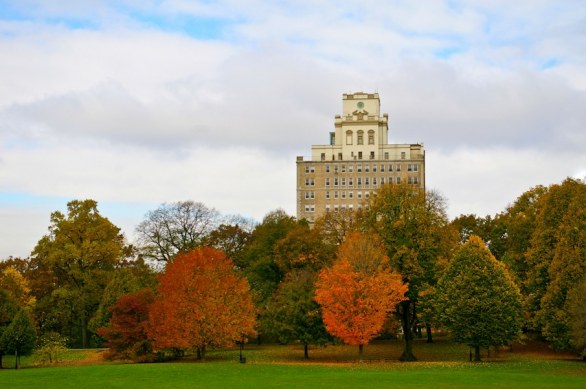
443	364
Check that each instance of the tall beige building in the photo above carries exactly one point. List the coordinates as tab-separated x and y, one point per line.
357	161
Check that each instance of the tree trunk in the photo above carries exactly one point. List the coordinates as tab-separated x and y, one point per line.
16	359
407	355
305	351
428	330
1	354
477	353
84	343
360	351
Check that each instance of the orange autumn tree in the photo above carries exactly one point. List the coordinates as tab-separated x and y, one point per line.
201	302
359	290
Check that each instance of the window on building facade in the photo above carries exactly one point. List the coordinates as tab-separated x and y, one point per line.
350	181
398	168
343	168
307	182
359	180
390	167
335	194
350	168
328	208
327	168
339	156
366	181
366	195
343	194
374	168
360	138
372	155
403	155
359	168
398	180
327	194
360	155
367	168
415	180
348	137
335	168
374	181
350	194
335	181
359	195
343	181
323	156
382	180
386	155
382	168
371	137
327	181
306	169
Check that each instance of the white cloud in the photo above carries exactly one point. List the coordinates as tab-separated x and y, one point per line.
122	102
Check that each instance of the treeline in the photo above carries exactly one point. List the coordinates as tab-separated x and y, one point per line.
195	279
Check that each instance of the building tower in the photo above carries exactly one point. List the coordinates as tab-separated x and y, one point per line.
357	161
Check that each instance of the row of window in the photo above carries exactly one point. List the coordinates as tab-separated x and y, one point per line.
359	156
335	207
343	168
338	194
359	137
337	181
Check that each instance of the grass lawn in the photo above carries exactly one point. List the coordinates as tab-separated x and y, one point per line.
442	364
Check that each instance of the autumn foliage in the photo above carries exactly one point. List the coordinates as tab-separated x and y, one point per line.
201	302
359	290
126	335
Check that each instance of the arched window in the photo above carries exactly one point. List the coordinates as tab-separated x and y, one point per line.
348	137
360	139
371	137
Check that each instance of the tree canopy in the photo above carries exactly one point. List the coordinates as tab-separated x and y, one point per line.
174	228
80	253
477	299
359	290
201	302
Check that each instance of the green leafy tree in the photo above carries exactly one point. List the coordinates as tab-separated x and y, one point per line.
230	238
515	228
8	309
477	299
257	261
577	316
51	348
293	314
81	252
303	248
20	336
553	208
567	268
470	224
414	229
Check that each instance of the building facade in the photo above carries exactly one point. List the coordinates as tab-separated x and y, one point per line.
358	159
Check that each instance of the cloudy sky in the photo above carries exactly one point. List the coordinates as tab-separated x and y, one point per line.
134	102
